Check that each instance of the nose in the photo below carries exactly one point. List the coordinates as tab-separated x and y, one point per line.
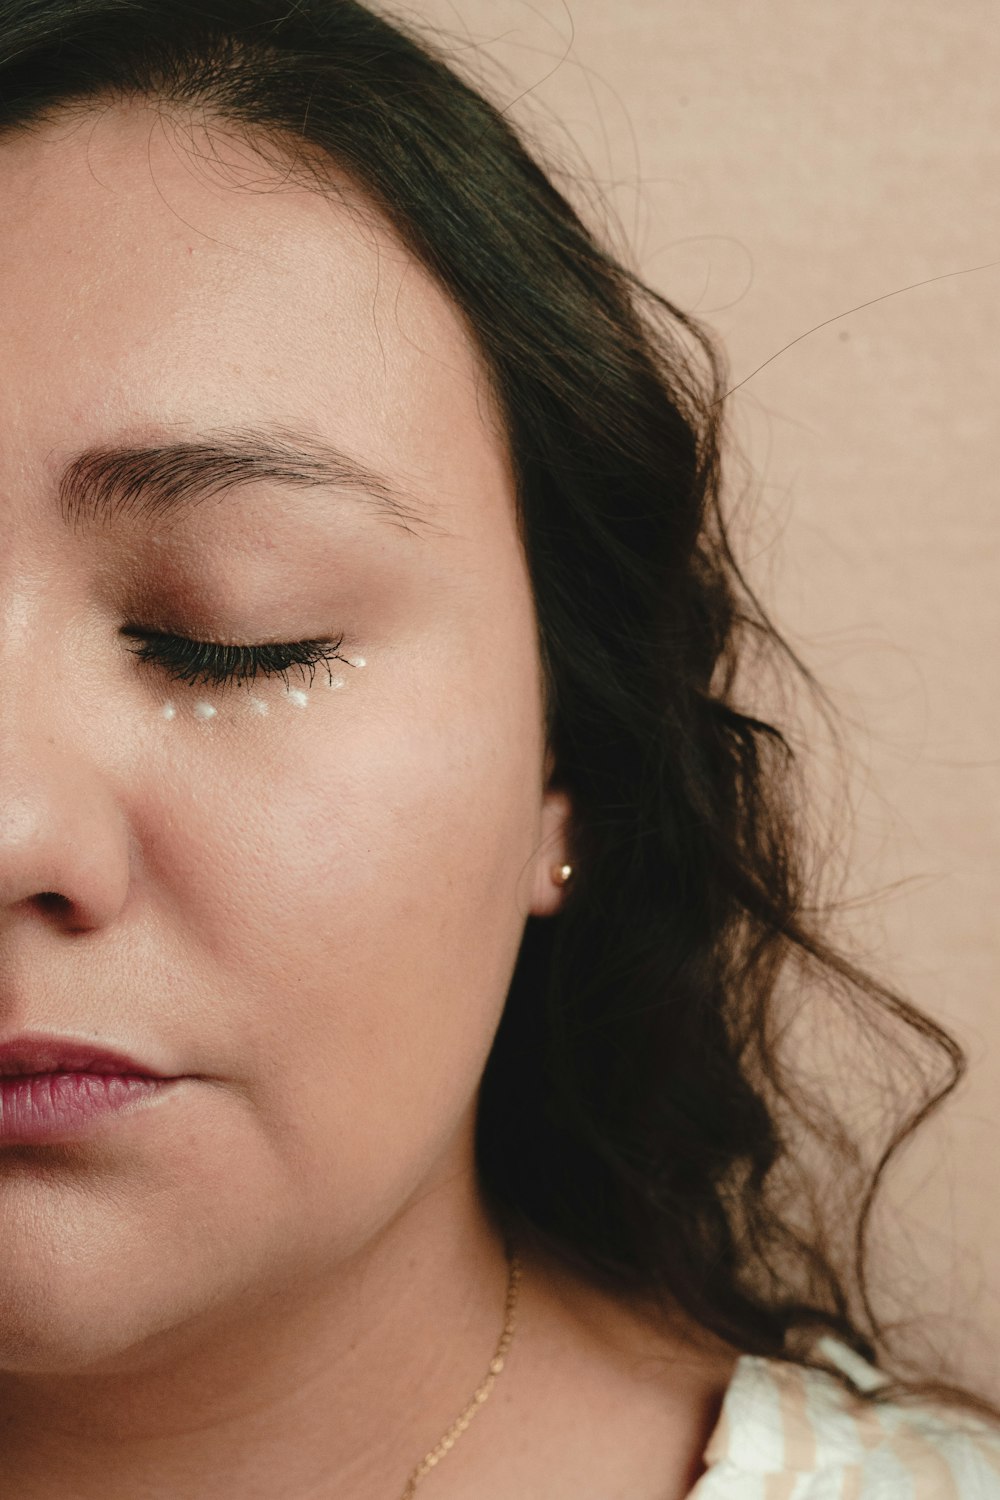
64	840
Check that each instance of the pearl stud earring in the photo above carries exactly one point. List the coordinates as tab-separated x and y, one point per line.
561	873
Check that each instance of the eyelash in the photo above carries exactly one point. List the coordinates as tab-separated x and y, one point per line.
191	661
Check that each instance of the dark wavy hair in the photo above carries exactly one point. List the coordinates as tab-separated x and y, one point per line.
637	1116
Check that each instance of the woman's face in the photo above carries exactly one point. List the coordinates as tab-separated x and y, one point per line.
311	900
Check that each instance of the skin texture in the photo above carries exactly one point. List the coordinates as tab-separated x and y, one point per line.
281	1280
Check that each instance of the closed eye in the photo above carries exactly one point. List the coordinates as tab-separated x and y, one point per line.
188	661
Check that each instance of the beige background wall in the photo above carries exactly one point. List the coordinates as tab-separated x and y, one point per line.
773	164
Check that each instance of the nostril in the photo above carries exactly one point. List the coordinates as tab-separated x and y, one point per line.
52	901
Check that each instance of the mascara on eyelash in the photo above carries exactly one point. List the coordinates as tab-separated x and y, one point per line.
205	662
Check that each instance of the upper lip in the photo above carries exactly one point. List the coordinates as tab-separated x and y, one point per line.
53	1054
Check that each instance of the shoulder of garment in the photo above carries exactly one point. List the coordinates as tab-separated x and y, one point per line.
790	1433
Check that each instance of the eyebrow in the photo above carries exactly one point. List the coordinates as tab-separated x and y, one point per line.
163	480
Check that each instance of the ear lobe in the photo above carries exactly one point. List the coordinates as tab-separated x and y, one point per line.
553	851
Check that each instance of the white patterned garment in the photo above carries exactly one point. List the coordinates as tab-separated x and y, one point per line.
787	1433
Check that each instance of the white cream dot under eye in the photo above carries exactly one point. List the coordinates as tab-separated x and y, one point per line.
259	706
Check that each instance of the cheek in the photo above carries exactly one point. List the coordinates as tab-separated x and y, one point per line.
354	903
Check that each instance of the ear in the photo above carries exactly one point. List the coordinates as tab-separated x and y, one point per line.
547	893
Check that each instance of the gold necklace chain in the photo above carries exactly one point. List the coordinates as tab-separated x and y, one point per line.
482	1391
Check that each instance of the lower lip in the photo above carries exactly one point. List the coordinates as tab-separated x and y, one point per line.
39	1106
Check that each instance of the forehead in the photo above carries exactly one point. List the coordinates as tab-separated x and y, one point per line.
158	273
